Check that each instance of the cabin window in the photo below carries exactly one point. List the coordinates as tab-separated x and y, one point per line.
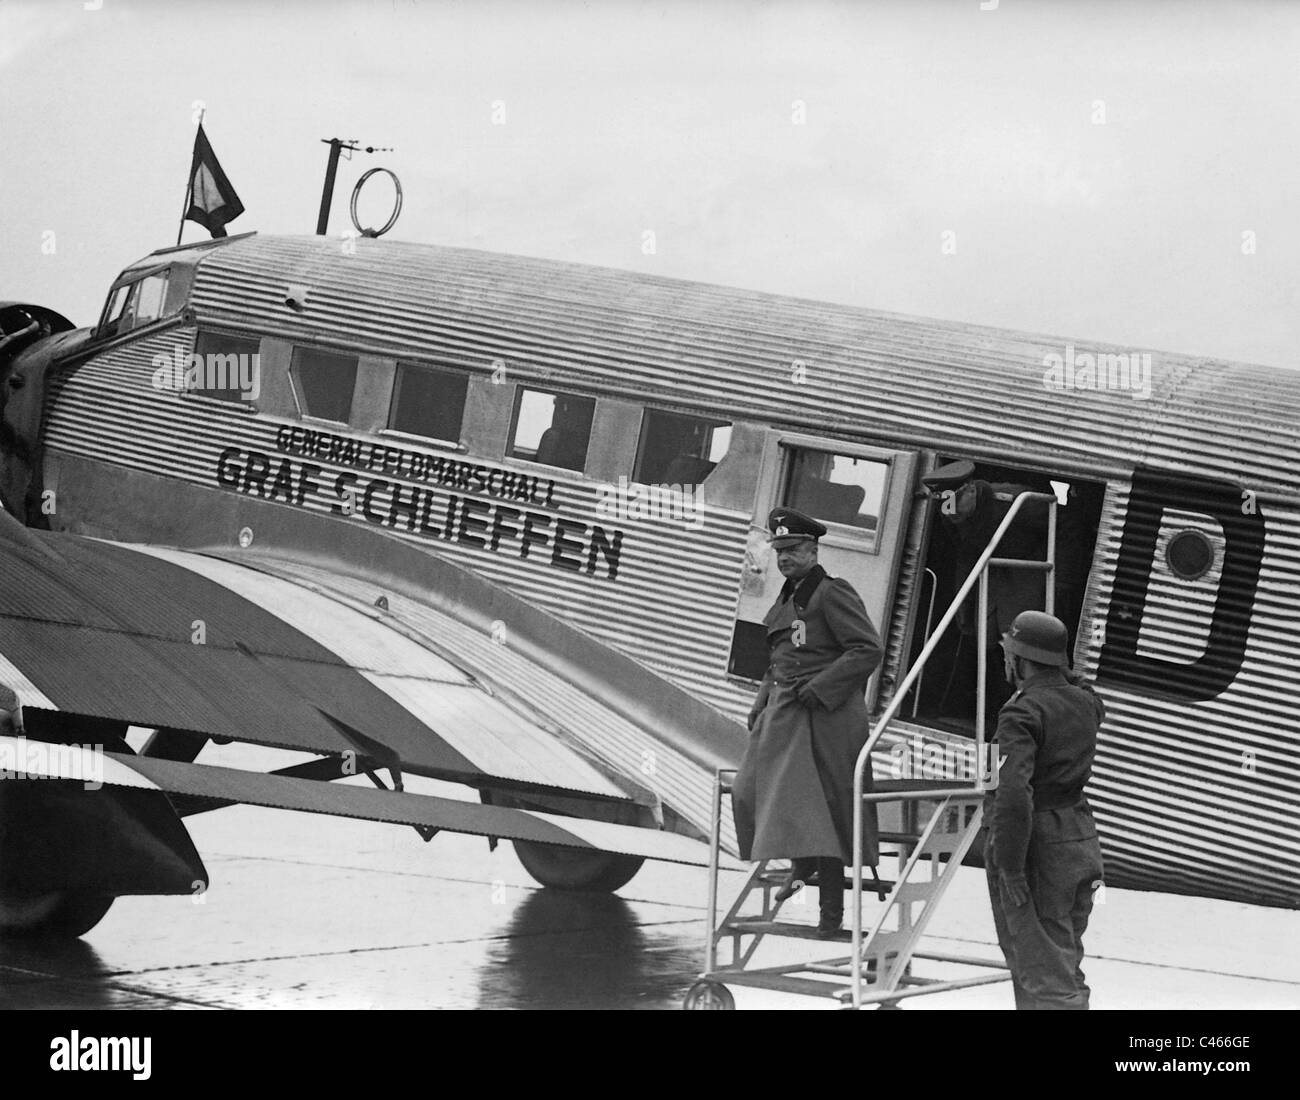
676	449
428	402
836	488
552	428
134	304
228	367
323	383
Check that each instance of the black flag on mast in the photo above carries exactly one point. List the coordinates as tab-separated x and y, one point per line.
213	201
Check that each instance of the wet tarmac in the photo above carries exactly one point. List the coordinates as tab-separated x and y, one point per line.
310	912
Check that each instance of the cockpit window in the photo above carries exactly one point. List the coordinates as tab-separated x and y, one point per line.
134	304
113	310
323	383
147	302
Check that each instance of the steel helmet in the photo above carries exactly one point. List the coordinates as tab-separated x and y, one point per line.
1039	637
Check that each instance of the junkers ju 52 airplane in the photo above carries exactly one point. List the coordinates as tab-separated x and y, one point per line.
499	521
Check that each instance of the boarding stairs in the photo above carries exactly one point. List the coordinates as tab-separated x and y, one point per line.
926	825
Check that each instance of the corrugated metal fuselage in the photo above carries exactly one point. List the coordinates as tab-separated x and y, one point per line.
1197	780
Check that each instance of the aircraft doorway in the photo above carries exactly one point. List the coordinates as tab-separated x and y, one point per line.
945	696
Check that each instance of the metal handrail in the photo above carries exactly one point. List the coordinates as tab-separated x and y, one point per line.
978	574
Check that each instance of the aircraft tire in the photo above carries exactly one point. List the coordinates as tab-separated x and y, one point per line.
54	916
561	868
709	996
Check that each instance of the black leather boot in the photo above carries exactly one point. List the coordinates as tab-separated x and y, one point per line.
831	923
830	889
801	870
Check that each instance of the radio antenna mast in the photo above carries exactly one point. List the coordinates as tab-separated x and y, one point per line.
337	145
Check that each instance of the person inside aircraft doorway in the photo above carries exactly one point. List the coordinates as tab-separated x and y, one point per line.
793	794
11	713
972	508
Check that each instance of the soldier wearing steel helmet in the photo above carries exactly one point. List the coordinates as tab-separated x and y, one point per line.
793	794
1042	857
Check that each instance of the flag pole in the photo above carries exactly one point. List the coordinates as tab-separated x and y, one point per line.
189	183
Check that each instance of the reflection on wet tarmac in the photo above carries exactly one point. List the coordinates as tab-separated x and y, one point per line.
42	974
569	950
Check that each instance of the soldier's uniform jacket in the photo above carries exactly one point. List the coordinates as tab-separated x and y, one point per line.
793	792
1040	823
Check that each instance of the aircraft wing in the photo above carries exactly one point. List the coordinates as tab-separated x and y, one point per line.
268	648
205	783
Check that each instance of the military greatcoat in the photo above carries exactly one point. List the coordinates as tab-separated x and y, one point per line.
793	795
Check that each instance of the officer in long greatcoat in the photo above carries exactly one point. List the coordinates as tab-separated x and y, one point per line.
1043	858
793	794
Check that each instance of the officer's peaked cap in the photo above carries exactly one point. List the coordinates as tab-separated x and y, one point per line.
950	475
789	527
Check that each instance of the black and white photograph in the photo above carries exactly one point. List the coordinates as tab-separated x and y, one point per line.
753	505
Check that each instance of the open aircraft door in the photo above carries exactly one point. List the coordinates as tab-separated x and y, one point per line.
862	494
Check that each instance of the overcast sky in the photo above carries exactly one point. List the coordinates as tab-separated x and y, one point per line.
1104	170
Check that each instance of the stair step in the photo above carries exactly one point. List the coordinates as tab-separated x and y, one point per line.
784	983
786	928
885	942
893	786
916	891
960	725
842	970
913	784
776	878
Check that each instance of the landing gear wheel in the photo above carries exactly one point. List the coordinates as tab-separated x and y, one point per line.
563	868
709	996
53	916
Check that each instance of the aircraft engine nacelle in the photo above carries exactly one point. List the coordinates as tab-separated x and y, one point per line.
30	338
69	847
